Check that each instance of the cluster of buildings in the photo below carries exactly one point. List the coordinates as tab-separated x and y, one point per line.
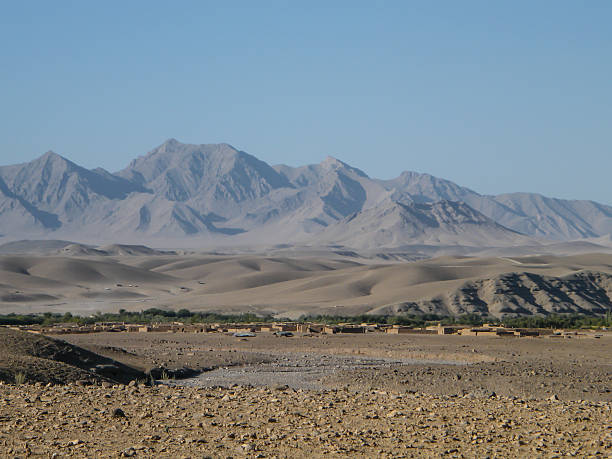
464	330
284	327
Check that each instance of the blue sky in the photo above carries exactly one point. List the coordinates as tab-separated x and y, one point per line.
497	96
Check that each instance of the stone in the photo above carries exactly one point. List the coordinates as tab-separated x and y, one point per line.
130	452
248	447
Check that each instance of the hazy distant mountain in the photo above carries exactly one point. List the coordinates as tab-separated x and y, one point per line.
16	214
528	213
332	190
209	174
56	191
395	224
230	197
427	188
54	181
555	218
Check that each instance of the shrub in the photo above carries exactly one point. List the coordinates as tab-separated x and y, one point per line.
20	378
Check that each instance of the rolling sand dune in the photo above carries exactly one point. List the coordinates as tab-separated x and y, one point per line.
290	287
71	270
42	283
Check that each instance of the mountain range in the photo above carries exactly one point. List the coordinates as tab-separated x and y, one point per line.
214	194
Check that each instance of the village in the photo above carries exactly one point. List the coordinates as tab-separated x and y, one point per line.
288	329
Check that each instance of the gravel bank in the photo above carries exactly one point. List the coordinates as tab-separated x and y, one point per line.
175	422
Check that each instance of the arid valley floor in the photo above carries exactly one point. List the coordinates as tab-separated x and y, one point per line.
371	395
361	395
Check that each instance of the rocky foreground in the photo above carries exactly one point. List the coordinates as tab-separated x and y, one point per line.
139	421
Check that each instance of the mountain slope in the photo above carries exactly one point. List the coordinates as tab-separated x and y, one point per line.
325	193
180	172
16	213
528	213
58	186
395	224
424	188
555	218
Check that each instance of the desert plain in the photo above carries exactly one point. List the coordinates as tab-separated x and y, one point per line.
317	395
369	395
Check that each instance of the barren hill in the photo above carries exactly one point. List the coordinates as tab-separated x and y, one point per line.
49	360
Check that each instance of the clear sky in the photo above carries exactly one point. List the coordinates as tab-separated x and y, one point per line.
499	96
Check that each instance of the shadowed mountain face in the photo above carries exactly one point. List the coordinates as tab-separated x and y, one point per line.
527	213
50	191
52	181
180	172
16	213
395	224
230	197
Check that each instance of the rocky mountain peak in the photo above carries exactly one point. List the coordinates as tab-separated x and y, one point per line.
206	172
52	159
333	164
171	141
330	161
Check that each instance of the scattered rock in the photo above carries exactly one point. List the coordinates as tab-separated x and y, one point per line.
130	452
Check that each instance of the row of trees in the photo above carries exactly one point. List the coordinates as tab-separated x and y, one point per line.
410	320
560	321
156	315
152	315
